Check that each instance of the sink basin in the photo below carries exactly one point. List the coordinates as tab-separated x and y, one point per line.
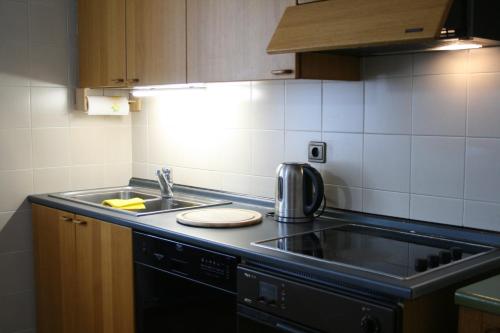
153	201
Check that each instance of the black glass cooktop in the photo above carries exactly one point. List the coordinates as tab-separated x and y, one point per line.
398	254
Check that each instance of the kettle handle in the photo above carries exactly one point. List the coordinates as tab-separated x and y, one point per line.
319	190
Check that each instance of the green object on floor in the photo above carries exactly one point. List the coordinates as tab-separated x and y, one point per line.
483	295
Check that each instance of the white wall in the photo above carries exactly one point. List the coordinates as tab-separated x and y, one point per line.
44	145
418	138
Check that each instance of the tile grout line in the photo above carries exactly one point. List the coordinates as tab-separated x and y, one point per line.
467	106
411	133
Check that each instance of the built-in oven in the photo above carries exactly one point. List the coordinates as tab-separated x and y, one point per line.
271	303
183	288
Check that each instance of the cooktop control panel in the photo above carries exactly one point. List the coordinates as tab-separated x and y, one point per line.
321	309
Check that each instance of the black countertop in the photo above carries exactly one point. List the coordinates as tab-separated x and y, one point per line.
238	242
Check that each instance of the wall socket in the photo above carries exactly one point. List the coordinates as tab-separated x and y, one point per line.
317	152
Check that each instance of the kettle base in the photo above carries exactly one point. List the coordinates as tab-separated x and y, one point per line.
285	219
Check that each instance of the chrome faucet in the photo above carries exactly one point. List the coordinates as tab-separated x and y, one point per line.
166	182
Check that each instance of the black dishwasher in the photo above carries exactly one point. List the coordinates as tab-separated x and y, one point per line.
183	288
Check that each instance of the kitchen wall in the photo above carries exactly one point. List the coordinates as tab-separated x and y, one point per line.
45	146
418	138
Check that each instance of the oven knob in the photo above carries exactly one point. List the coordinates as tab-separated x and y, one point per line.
433	260
420	265
456	253
444	257
370	324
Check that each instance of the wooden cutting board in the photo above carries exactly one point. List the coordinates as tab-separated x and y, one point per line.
219	218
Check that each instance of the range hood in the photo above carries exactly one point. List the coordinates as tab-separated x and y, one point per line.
364	27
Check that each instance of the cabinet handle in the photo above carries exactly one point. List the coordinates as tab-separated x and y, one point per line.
67	219
79	222
118	80
133	81
282	71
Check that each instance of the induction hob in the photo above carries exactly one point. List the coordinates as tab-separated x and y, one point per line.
398	254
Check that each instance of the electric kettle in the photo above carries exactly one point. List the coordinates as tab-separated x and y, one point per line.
299	192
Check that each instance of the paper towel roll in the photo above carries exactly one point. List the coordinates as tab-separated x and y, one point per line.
107	106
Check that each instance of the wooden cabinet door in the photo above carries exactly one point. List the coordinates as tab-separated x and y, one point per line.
156	42
105	277
101	30
227	40
54	252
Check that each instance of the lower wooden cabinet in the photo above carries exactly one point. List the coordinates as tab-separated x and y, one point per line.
475	321
84	274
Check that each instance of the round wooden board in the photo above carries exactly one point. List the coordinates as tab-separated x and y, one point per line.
219	218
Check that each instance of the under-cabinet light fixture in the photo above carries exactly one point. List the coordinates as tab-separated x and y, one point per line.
158	90
458	45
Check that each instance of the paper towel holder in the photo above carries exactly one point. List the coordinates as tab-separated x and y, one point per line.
82	104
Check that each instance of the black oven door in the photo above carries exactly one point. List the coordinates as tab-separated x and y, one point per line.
251	321
171	303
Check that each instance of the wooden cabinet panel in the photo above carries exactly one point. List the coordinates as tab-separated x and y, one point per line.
54	251
475	321
84	274
104	277
156	42
101	28
227	40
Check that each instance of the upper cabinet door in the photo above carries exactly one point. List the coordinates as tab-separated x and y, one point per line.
156	42
101	27
227	40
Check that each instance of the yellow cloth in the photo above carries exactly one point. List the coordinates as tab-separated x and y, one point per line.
134	203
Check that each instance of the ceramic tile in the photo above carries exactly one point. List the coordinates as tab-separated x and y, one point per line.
87	177
268	152
16	270
296	145
51	147
386	163
49	66
344	160
438	166
343	107
49	107
439	104
387	66
15	149
139	144
230	104
444	62
482	179
140	170
117	174
52	180
303	97
199	178
117	145
236	183
263	187
14	112
482	215
19	184
87	145
386	203
54	33
17	312
15	64
388	106
15	231
268	105
436	209
341	197
13	21
484	60
233	151
484	101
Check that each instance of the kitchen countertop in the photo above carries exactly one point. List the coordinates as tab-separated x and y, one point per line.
483	295
237	241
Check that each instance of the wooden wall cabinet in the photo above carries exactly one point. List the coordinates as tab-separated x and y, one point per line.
475	321
227	41
127	43
84	274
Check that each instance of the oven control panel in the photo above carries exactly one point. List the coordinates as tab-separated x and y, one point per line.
321	309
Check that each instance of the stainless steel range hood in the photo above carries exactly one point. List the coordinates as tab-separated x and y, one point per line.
364	27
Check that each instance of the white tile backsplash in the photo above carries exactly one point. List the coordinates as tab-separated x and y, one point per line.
439	104
484	105
396	142
438	166
388	106
15	149
482	215
49	107
15	109
482	177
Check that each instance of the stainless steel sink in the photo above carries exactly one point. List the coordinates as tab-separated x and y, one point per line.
153	201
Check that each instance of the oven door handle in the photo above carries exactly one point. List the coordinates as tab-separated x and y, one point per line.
259	316
290	329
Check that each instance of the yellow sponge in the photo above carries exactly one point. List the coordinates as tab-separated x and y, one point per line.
129	204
